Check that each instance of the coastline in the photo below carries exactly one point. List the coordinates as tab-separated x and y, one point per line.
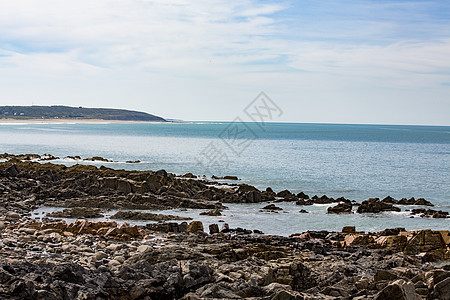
49	256
74	121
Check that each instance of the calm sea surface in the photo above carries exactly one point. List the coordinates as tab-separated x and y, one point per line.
354	161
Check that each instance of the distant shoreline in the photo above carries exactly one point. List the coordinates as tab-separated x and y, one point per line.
72	121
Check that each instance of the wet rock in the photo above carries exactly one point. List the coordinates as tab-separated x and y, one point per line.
77	212
374	205
389	200
228	177
195	227
427	213
341	208
284	193
349	229
213	228
422	201
272	207
136	215
213	212
302	195
98	158
392	231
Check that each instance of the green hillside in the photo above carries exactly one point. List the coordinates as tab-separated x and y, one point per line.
67	112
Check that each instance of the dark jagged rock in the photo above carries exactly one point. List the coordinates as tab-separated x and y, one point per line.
136	215
214	213
77	212
427	213
302	195
374	205
341	208
272	207
284	193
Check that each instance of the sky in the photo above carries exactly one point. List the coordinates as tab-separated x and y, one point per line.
370	62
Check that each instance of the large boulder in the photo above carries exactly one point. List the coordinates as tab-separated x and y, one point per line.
426	241
341	208
398	290
195	227
374	205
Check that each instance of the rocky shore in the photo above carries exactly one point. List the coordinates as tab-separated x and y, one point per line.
106	260
177	258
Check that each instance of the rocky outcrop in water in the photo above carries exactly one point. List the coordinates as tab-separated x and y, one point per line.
136	215
374	205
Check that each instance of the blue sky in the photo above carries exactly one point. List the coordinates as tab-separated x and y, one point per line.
320	61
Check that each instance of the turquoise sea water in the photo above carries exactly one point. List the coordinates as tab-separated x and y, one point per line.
354	161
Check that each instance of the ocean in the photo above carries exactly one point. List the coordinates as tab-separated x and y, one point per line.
353	161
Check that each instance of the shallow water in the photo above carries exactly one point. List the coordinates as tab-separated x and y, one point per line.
354	161
289	220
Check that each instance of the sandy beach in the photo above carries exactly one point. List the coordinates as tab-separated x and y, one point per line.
69	121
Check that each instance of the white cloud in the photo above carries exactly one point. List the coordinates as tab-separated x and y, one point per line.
221	50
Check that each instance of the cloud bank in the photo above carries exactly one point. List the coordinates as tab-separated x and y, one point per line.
362	62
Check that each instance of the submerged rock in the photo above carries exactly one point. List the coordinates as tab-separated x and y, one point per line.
77	212
136	215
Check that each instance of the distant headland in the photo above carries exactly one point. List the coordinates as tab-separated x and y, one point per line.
55	113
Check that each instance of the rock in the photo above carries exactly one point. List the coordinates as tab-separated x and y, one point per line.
189	175
213	212
392	231
100	255
195	227
302	195
442	289
272	207
389	200
13	171
143	248
323	200
225	228
213	229
300	202
398	290
162	173
29	231
136	215
114	263
341	208
349	229
426	213
12	216
76	213
2	226
374	205
422	201
302	211
425	241
284	193
384	275
405	201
